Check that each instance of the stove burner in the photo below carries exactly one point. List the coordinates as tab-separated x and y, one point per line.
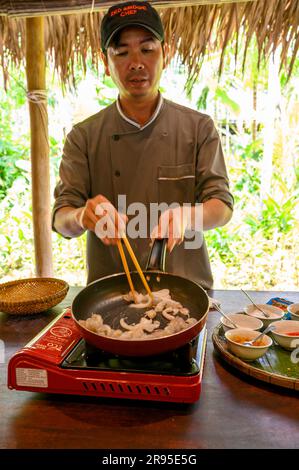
182	361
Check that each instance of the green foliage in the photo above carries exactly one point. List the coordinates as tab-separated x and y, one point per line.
202	100
105	91
220	242
223	96
253	150
275	217
13	149
248	177
285	79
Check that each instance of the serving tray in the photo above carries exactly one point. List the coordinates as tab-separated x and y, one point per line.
275	367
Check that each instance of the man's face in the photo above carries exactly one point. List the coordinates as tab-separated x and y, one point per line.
135	63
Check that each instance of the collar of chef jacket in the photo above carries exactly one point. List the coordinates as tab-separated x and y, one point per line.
134	123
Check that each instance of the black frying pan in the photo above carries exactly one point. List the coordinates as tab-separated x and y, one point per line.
104	296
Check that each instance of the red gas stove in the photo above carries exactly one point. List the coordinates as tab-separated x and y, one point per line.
58	360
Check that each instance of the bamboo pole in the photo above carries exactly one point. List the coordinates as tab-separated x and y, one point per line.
41	206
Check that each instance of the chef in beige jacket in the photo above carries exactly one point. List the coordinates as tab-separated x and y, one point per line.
141	149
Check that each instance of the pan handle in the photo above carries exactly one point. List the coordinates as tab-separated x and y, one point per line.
156	258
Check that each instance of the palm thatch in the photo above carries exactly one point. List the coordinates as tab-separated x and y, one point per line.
192	31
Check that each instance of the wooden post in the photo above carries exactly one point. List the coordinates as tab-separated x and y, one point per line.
41	205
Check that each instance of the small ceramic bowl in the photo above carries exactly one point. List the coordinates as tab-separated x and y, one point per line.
235	338
293	309
286	334
276	313
242	321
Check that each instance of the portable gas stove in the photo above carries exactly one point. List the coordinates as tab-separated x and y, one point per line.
58	360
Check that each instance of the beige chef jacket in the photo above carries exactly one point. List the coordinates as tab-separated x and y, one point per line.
176	158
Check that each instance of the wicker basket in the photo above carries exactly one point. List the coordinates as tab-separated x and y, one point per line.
33	295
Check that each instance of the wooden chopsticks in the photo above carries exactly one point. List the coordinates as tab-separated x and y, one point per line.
137	266
126	268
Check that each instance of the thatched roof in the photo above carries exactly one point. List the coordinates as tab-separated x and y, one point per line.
194	31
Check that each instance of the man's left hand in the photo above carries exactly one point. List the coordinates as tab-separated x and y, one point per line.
172	225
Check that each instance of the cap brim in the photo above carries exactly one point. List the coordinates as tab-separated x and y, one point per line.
155	33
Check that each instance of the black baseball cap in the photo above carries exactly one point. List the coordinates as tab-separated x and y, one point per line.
136	13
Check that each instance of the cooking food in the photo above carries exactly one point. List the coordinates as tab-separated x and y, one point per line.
161	305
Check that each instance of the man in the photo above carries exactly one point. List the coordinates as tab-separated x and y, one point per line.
145	148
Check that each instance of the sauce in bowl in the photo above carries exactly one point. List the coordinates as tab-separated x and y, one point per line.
243	339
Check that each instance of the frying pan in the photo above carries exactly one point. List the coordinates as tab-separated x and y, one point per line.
104	296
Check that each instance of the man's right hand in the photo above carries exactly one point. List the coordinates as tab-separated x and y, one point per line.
101	217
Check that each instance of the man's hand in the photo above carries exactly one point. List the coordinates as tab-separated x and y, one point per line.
98	215
174	222
111	225
101	217
172	225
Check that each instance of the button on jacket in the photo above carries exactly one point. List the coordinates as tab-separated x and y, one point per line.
176	158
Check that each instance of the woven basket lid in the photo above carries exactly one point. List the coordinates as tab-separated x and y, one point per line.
31	295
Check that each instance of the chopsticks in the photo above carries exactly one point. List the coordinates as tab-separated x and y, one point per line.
137	266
